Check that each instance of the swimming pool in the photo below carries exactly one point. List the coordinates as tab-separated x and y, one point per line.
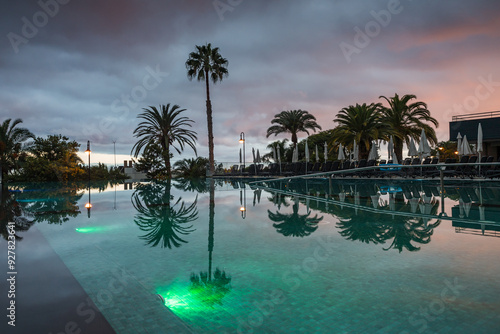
295	256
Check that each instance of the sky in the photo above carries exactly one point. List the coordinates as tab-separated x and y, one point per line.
86	69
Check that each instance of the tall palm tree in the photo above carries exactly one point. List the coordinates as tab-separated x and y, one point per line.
360	123
405	120
293	122
207	64
167	128
11	138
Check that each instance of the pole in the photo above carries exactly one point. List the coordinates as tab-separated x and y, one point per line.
114	150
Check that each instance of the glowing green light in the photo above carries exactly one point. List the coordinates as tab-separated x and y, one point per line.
95	229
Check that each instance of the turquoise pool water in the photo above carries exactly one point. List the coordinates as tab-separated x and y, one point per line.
350	256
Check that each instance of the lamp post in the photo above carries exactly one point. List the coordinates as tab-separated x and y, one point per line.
89	204
242	141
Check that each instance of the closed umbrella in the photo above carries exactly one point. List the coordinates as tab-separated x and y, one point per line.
355	152
279	156
307	152
465	146
253	153
240	156
317	154
275	159
412	149
295	154
373	151
326	151
341	153
459	144
390	148
394	158
424	149
258	157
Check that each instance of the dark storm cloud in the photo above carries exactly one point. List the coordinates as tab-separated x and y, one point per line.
94	65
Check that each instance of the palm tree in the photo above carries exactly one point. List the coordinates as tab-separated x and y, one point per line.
360	123
167	128
11	138
207	64
405	120
191	168
293	121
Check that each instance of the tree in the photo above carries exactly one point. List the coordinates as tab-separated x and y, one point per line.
167	128
11	138
360	123
207	64
151	162
404	120
191	168
293	122
54	158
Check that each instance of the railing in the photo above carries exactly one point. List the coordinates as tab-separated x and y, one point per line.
489	114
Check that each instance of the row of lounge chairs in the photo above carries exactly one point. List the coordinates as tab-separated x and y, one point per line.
466	167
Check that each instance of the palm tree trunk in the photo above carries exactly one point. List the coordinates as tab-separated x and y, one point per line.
166	157
210	128
398	149
294	140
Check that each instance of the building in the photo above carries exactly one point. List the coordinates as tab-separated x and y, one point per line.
468	125
130	171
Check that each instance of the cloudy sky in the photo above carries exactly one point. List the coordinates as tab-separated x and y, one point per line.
85	69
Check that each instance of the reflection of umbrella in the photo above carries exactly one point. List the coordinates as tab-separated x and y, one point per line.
326	151
414	204
317	154
412	149
459	144
465	146
341	153
424	149
375	199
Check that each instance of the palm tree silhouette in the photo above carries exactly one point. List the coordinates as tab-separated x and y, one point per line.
294	224
167	128
164	219
365	226
207	64
11	138
293	122
360	123
405	120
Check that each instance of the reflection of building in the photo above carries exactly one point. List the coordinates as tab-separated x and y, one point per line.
130	171
467	125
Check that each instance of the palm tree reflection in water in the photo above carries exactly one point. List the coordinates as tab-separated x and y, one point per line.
165	219
11	211
208	290
294	224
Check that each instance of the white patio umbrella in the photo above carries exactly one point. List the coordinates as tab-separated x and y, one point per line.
317	154
373	151
424	149
355	151
295	155
459	144
479	147
326	151
341	153
307	152
390	148
465	146
394	158
412	149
